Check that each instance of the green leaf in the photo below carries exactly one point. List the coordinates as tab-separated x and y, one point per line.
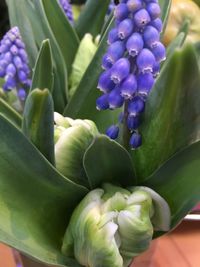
64	33
172	116
43	71
165	9
36	201
17	16
60	90
83	103
38	122
178	180
176	43
8	112
106	161
92	17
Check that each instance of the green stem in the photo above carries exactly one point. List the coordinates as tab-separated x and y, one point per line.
126	132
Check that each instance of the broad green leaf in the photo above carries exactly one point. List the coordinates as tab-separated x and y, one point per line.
7	111
105	161
178	182
60	89
38	122
36	201
176	43
85	53
43	71
165	9
172	117
64	33
17	16
83	103
92	17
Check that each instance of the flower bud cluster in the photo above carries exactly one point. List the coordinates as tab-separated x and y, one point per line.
67	8
131	63
14	63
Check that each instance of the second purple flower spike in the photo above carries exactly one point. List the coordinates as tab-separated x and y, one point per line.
131	63
14	63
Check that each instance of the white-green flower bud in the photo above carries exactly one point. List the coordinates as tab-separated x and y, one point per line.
112	225
72	138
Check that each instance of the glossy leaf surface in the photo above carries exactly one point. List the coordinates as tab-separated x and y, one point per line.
7	111
36	201
178	181
38	122
165	8
92	17
43	71
64	33
172	116
106	161
60	71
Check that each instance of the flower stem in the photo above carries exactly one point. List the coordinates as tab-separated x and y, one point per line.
126	132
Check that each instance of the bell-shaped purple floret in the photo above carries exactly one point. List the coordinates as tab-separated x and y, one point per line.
102	102
120	70
153	10
129	87
145	84
134	5
10	83
121	11
133	122
11	70
151	36
136	106
115	51
113	131
105	83
141	18
135	140
134	44
145	61
157	23
21	94
159	52
115	99
113	36
125	29
156	69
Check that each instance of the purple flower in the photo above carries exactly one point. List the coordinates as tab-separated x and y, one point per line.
67	8
14	63
120	70
132	61
113	131
136	140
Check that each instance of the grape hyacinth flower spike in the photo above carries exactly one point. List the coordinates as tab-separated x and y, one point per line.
67	8
14	63
131	64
